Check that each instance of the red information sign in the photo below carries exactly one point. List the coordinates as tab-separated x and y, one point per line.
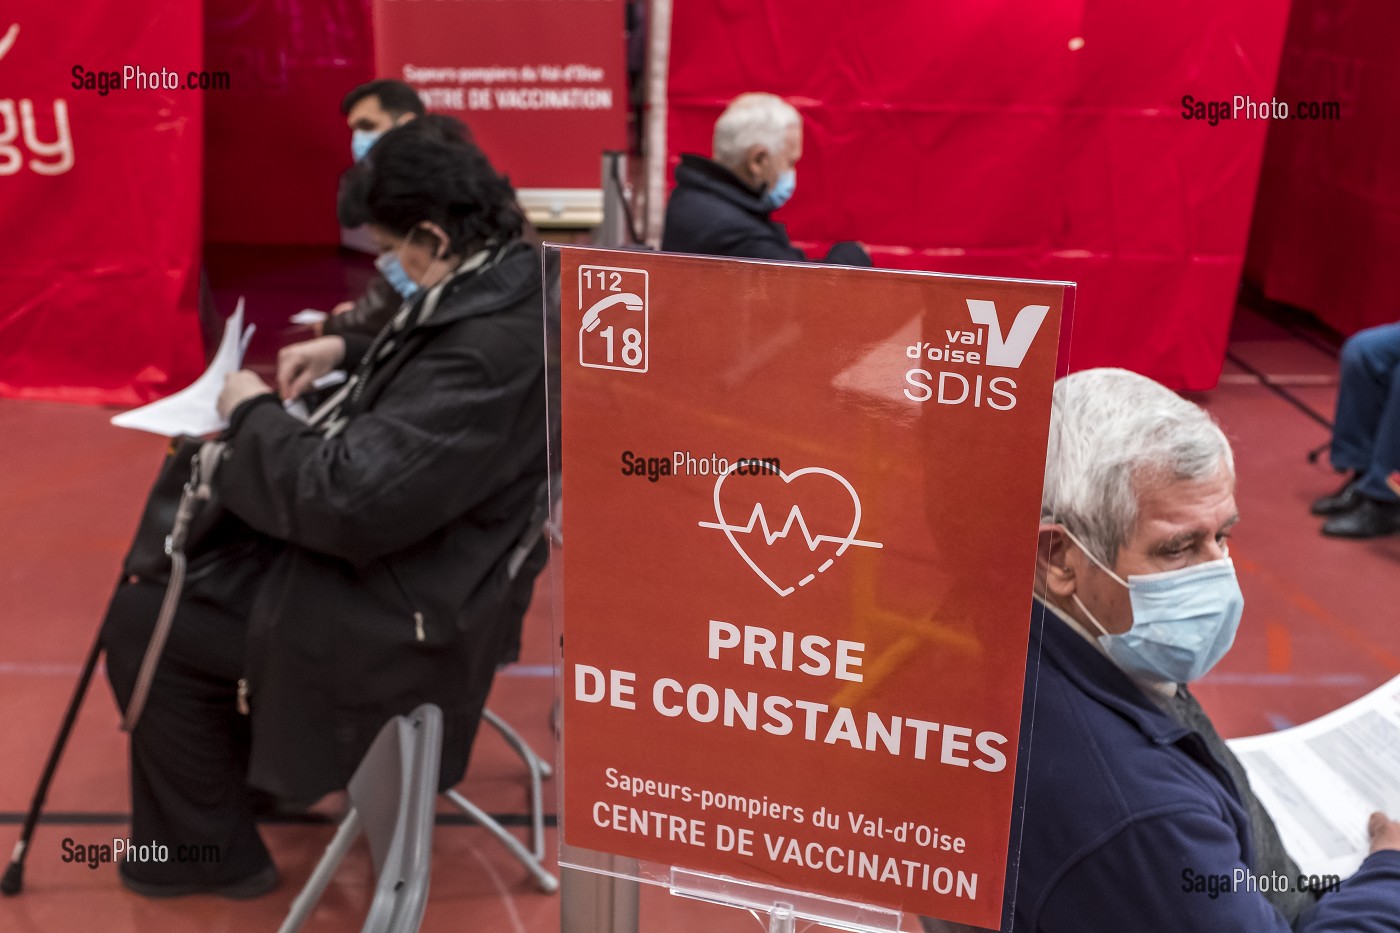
801	505
541	83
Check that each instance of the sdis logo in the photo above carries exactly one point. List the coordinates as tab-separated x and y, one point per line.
983	345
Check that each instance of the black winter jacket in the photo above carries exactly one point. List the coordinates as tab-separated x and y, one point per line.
392	588
713	213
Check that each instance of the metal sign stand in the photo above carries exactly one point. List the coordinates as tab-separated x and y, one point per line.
599	903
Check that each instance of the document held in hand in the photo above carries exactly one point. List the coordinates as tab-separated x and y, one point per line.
1321	781
193	411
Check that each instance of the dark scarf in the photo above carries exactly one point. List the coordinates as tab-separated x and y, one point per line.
337	410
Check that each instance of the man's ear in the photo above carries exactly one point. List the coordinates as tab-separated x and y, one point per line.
756	159
1054	558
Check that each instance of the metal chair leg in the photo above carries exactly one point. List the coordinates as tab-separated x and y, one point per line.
546	881
539	771
325	870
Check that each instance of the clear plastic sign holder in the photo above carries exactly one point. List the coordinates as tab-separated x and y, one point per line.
783	908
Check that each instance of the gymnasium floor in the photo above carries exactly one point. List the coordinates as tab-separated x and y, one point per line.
1321	628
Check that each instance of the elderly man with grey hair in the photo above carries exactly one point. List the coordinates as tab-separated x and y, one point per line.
722	206
1137	816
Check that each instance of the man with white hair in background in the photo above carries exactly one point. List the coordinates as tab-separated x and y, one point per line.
1133	803
722	206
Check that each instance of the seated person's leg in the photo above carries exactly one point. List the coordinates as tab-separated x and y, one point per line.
1368	364
1366	439
189	752
1385	452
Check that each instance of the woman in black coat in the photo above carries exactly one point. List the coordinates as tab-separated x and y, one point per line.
393	518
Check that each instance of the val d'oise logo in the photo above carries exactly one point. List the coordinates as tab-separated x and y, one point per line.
760	537
1010	350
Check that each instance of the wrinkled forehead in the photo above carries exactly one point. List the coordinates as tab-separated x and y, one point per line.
1169	507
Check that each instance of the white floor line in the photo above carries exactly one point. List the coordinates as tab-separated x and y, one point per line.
500	884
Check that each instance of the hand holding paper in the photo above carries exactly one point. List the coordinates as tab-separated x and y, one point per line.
1385	832
1324	782
194	410
238	388
300	365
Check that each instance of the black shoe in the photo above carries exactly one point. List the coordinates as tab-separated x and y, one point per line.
253	886
1343	500
1370	519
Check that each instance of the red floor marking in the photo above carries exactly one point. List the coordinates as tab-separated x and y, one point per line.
1280	648
1341	627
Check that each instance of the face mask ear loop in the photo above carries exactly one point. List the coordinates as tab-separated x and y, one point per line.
1097	563
1087	614
1090	554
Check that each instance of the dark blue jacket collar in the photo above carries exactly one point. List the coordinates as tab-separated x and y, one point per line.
1099	678
708	175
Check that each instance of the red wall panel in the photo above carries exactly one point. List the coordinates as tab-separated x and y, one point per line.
277	142
1327	225
99	202
1015	138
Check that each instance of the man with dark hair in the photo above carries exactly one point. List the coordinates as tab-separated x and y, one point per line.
374	108
370	110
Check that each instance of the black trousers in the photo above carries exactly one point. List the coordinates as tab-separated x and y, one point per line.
189	752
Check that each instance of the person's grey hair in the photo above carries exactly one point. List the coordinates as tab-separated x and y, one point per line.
1112	430
749	120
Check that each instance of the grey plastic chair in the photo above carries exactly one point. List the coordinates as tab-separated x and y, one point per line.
392	795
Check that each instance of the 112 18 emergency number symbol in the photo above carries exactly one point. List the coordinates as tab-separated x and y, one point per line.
613	332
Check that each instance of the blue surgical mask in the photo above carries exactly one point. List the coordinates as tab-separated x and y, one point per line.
1184	621
778	195
389	266
362	141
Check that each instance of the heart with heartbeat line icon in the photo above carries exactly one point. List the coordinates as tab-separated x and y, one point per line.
790	534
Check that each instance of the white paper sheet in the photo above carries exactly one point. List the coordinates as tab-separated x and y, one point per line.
193	410
1322	780
308	316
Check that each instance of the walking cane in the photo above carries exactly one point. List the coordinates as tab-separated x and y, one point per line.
196	492
13	882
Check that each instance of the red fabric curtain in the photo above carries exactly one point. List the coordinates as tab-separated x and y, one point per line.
277	142
1327	225
1015	138
99	201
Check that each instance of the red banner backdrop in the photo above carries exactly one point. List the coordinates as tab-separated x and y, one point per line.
1327	224
277	142
541	83
99	201
1015	138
